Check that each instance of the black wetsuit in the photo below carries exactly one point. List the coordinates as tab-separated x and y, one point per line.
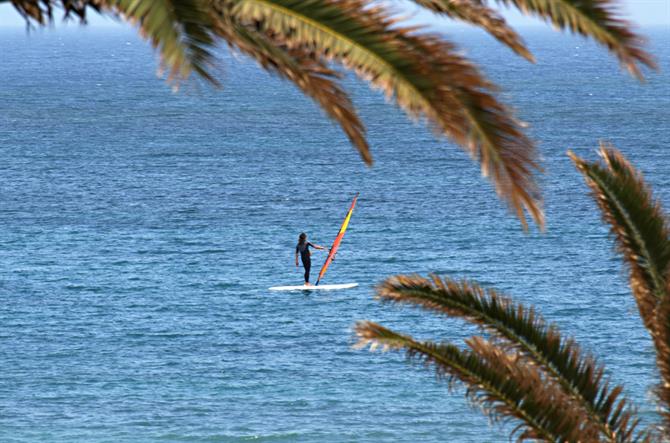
303	249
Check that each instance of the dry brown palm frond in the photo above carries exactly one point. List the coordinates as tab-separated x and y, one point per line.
42	11
478	14
423	73
597	19
485	127
302	67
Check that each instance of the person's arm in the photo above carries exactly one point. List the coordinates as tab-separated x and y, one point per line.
296	257
316	246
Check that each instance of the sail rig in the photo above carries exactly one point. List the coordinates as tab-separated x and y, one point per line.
338	239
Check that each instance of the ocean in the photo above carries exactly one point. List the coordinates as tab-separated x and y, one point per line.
141	228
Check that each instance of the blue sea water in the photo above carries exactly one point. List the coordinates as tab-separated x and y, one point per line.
140	229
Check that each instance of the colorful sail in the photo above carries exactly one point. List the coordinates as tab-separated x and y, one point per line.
338	239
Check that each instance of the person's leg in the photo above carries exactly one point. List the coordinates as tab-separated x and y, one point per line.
307	265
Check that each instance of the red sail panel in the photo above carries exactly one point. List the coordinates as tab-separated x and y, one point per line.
338	240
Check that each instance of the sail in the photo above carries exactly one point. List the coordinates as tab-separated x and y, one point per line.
338	239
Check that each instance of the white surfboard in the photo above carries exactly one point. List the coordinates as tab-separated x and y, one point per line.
314	288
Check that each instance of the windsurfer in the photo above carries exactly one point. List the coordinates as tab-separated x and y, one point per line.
302	248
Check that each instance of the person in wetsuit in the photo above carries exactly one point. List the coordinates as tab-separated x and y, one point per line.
302	248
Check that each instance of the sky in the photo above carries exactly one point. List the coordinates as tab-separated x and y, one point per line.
642	12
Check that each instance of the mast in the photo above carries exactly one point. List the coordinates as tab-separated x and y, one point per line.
338	239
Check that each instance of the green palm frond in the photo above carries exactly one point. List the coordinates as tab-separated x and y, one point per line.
307	71
637	223
422	72
478	14
524	330
495	380
596	19
180	29
642	234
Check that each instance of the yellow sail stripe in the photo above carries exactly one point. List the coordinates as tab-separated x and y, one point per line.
338	238
346	222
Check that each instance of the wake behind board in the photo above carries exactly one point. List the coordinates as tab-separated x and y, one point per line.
314	287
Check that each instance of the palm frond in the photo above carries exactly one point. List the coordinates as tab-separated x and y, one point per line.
524	330
422	72
307	71
180	29
596	19
662	342
486	129
637	223
478	14
640	228
497	381
42	11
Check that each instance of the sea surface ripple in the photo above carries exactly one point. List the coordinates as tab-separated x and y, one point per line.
142	228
